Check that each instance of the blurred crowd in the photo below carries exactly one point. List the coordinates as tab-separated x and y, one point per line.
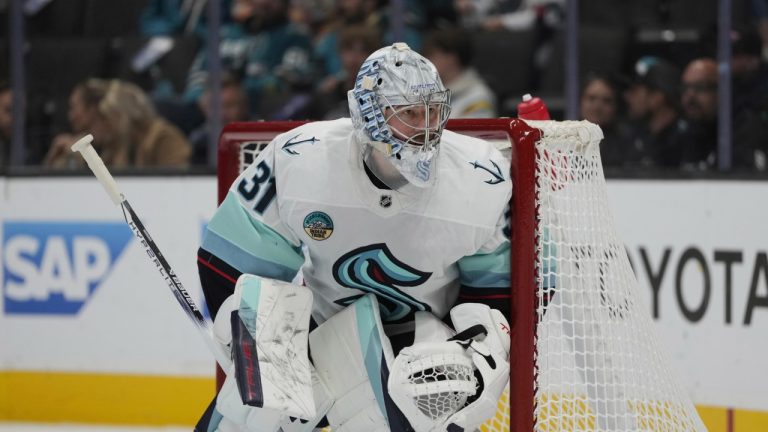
666	117
146	93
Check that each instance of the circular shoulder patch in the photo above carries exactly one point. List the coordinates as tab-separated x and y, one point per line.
318	225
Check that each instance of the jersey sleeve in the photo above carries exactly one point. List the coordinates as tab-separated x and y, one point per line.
247	235
485	276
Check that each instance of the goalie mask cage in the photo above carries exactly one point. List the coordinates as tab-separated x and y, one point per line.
584	355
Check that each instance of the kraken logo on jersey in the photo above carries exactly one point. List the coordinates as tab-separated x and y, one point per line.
374	269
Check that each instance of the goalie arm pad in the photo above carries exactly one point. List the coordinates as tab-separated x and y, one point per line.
265	323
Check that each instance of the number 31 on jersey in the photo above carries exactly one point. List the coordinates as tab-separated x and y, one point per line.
260	188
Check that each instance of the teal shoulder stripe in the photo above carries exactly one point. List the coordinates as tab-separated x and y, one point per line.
243	261
233	224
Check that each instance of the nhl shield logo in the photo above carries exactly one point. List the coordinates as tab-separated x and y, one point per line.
318	225
385	201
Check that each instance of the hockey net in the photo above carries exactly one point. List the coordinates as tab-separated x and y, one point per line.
584	354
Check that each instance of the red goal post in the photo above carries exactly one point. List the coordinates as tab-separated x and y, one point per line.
574	361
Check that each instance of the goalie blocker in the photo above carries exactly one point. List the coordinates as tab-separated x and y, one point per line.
444	381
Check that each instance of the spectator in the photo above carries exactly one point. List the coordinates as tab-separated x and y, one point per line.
439	13
126	128
329	18
326	52
759	9
355	44
309	15
162	18
171	21
414	22
234	108
83	114
451	52
174	17
750	100
272	45
508	14
540	19
652	107
6	123
599	104
233	51
700	109
699	103
749	72
255	49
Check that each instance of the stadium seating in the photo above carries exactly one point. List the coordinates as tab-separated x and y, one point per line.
601	49
112	18
59	18
54	65
503	58
173	66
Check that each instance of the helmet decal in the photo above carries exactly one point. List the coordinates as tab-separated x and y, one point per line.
372	116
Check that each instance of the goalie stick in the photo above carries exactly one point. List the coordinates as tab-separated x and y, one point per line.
83	145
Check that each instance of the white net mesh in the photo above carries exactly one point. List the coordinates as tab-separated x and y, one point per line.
248	152
599	366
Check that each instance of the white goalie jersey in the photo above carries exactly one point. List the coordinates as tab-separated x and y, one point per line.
308	193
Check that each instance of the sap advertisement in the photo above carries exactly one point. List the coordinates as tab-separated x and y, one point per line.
79	293
78	290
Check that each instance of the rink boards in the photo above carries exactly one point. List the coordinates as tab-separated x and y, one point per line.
90	333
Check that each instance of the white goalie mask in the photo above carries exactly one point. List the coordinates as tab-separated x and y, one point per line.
399	108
